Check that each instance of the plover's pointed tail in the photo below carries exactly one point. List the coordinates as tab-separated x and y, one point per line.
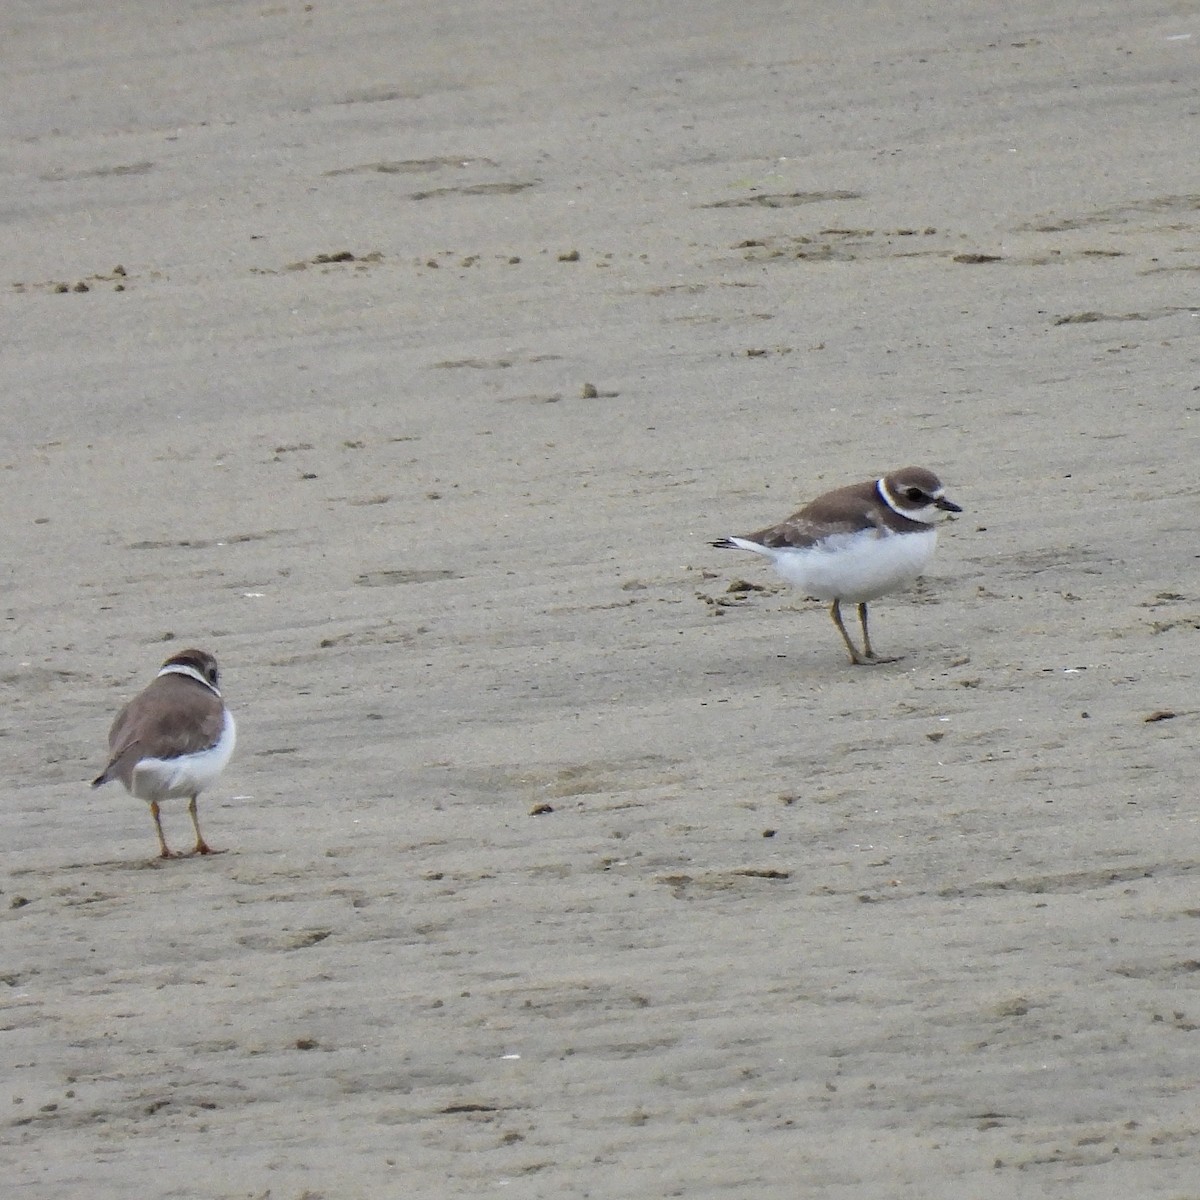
120	757
740	543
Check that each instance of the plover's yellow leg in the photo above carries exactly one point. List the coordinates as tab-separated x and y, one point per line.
875	658
835	611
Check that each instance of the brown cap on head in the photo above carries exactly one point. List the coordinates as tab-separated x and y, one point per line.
917	488
201	661
918	477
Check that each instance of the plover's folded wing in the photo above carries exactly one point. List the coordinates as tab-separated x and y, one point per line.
162	723
802	533
124	744
184	720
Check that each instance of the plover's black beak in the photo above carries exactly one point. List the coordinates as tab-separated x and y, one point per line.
947	505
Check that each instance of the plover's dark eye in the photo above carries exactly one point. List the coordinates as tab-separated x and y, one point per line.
914	493
212	675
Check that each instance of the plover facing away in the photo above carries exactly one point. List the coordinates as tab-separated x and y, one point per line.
173	739
856	544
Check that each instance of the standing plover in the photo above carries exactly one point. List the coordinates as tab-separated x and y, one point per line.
856	543
173	739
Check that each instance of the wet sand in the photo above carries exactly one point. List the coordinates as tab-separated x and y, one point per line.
441	345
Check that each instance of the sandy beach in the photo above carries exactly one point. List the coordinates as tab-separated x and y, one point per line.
409	357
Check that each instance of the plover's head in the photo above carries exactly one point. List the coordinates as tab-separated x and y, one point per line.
199	664
917	494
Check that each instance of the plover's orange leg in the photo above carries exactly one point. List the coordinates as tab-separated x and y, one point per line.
202	847
163	850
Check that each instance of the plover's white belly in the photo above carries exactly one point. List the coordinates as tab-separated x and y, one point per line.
856	566
189	774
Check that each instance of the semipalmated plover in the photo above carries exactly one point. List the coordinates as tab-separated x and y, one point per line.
856	543
173	739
